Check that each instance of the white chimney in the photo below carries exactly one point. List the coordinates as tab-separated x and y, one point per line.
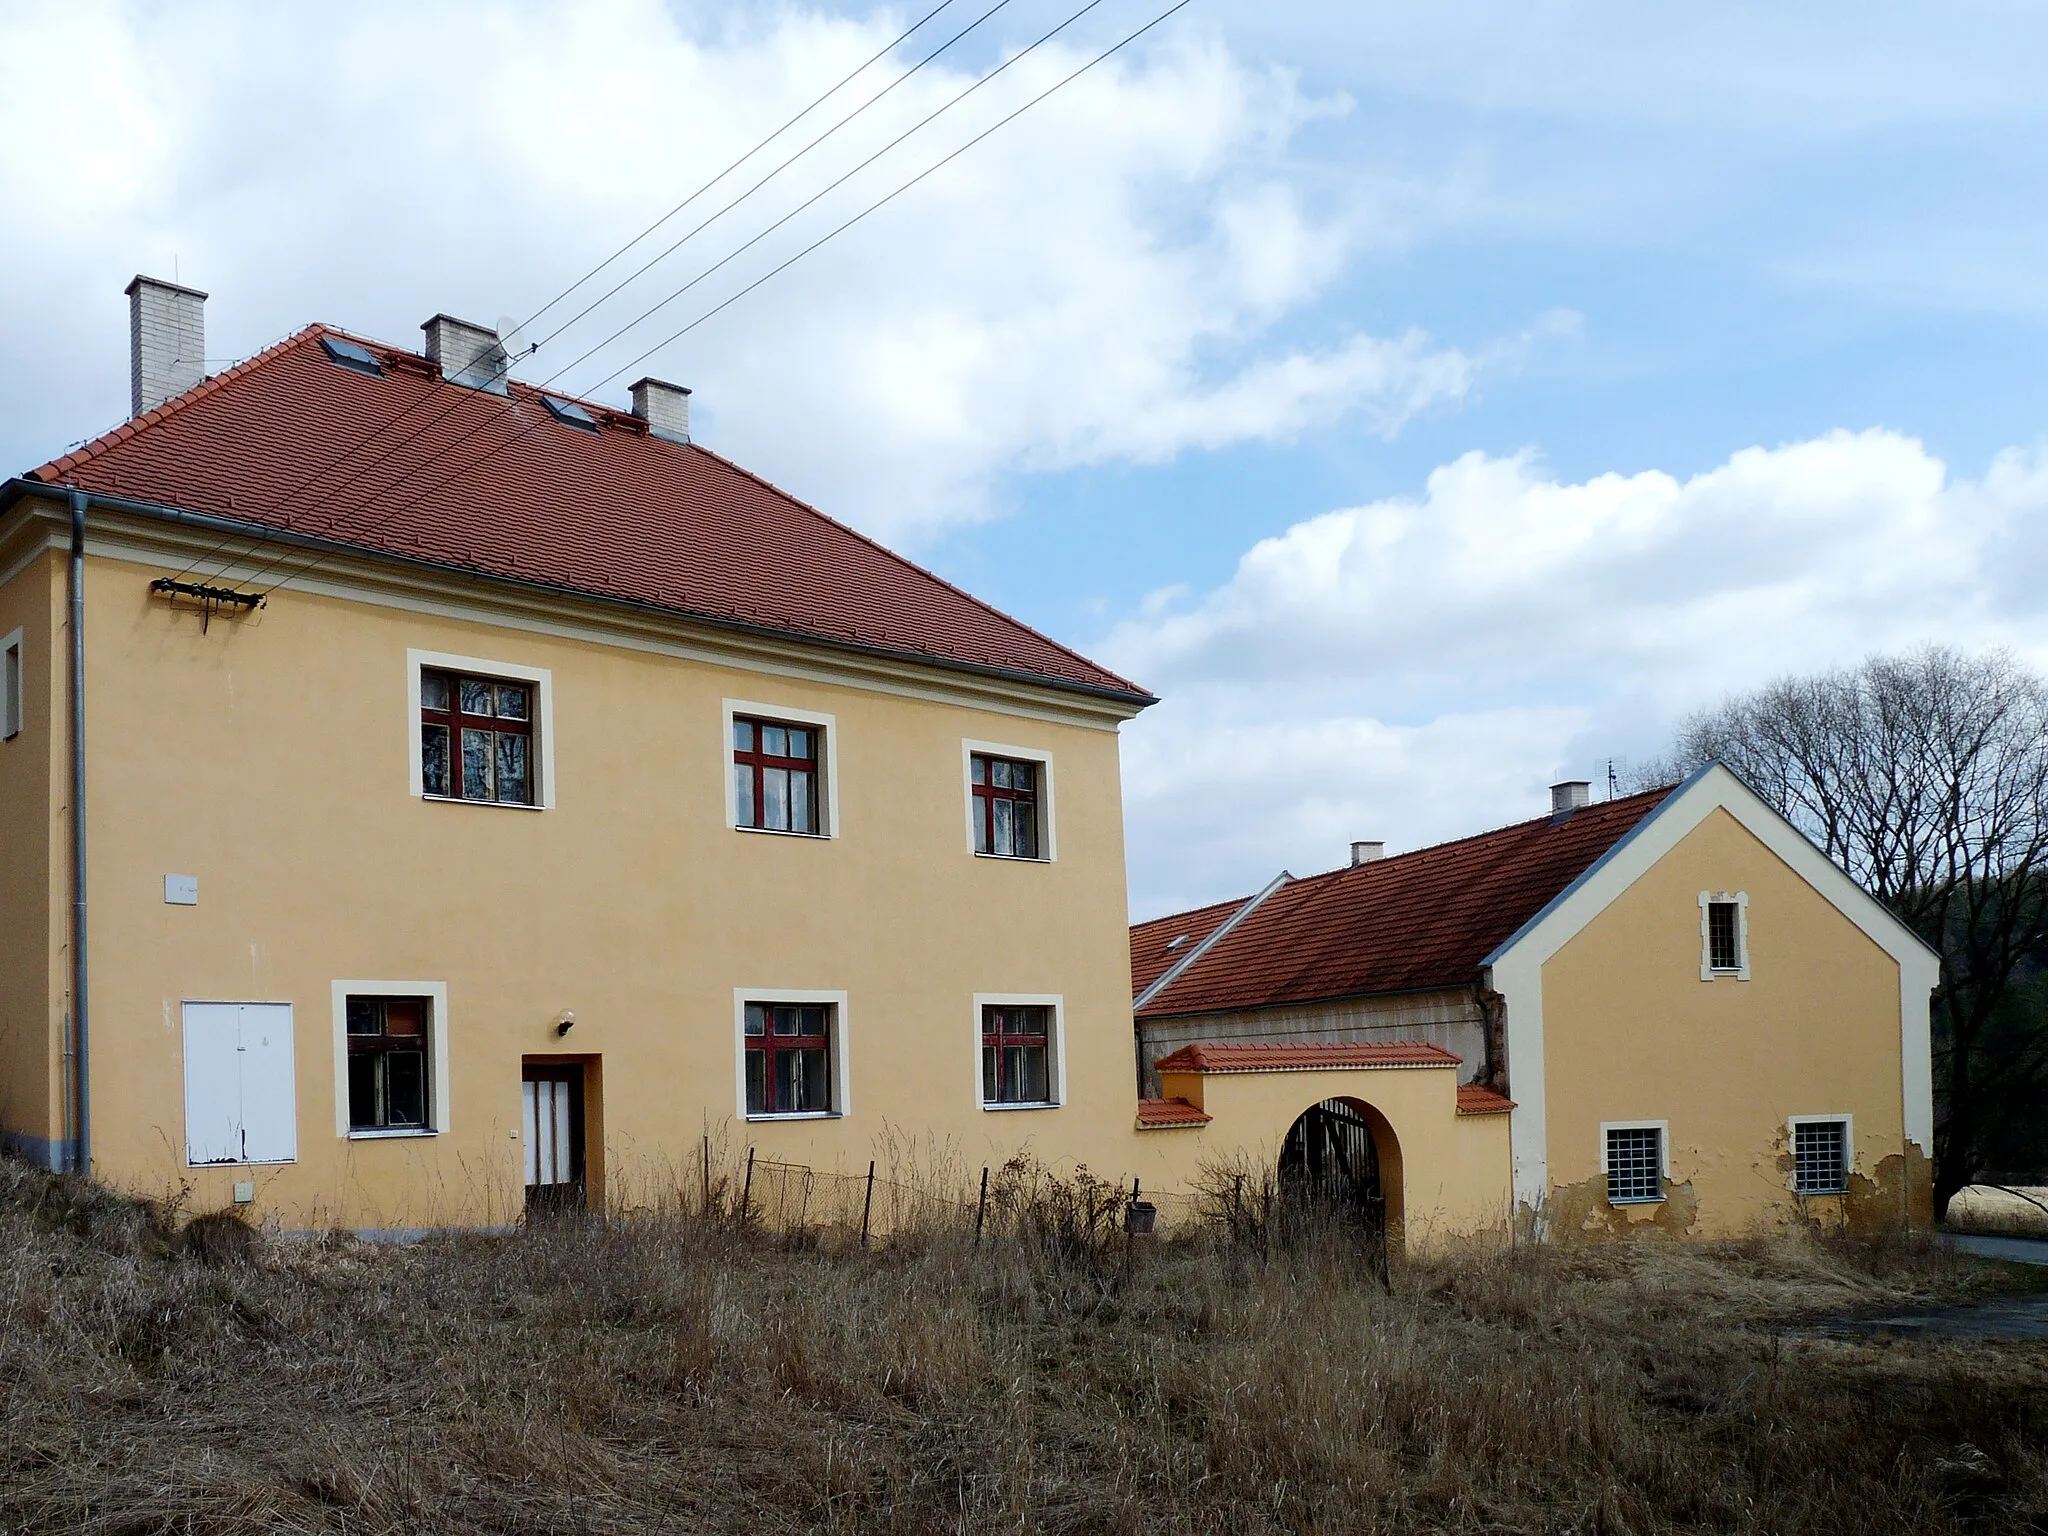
166	341
469	355
1571	795
1366	853
664	407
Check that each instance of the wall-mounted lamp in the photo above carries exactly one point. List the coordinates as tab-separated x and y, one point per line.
565	1023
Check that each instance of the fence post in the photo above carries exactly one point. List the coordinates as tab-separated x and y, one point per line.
981	1207
747	1189
867	1204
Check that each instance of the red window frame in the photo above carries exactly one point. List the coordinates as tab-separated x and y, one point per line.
455	721
750	803
378	1029
988	794
1007	1027
772	1043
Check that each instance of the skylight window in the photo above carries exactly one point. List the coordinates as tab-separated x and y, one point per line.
569	412
349	355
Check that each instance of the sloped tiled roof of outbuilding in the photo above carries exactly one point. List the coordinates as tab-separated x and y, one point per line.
1156	945
1411	923
412	466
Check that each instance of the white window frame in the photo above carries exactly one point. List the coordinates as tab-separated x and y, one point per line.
543	682
827	727
1048	837
1740	900
13	685
1663	1130
842	1078
437	1055
1848	1124
1056	1058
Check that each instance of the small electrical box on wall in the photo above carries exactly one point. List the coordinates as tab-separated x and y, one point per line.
181	890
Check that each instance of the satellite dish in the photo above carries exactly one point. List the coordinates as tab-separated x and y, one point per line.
512	341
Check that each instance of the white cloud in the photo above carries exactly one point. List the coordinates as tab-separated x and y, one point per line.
1421	667
1096	282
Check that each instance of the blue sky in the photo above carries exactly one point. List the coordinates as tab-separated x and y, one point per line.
1427	401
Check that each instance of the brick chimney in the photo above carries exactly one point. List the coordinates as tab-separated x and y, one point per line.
1568	796
166	341
469	354
664	407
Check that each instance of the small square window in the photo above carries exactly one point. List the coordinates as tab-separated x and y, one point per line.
1016	1053
776	776
350	355
1635	1165
389	1066
11	711
569	413
476	739
788	1049
1820	1157
1007	819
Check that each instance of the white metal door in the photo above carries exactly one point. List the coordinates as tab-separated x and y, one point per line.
241	1092
550	1152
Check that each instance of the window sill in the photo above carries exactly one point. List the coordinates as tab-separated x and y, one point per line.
497	805
802	1114
1733	973
1012	858
401	1134
809	837
1821	1194
995	1109
253	1162
1639	1200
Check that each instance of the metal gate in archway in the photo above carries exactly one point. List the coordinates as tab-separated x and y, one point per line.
1330	1177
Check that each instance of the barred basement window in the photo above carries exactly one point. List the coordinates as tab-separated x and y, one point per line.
775	776
476	738
789	1058
1006	816
1016	1053
1820	1157
1635	1164
389	1039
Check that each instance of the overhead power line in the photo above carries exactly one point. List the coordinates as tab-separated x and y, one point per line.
390	421
527	426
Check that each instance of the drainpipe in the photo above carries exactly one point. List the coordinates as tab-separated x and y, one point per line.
81	1151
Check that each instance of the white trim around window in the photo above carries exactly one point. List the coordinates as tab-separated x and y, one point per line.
1709	900
11	685
543	682
436	992
1048	833
827	727
842	1079
1848	1124
1056	1057
1663	1130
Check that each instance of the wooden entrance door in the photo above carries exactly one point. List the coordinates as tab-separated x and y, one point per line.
552	1129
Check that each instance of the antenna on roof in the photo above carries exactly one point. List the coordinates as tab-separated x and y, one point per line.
512	341
1613	781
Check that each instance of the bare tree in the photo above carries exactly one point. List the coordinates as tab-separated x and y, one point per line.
1926	777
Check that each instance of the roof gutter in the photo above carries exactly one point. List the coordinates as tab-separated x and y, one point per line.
19	488
80	1138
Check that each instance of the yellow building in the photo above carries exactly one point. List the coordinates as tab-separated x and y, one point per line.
1682	1014
427	798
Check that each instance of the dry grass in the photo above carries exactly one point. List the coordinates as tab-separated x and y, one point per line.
675	1374
2016	1212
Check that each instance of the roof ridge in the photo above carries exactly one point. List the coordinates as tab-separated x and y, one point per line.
910	564
211	384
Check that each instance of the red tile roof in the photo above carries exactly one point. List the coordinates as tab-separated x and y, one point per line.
1290	1057
1165	1114
1419	921
1154	945
495	486
1475	1100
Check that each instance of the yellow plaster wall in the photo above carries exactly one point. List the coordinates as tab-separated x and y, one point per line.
1631	1032
268	757
1455	1180
33	862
